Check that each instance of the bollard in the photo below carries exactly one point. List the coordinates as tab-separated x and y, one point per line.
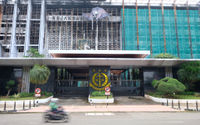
172	103
33	103
36	103
14	105
179	106
23	105
187	105
5	106
29	104
167	102
197	106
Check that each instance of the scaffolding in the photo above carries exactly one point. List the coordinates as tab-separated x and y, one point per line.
162	28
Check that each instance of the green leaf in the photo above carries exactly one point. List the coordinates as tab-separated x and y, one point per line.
39	74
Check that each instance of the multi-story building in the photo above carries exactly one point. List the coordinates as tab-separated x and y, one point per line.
110	40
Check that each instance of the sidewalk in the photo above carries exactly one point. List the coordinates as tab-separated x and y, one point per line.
111	108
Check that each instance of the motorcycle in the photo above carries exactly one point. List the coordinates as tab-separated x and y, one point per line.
59	115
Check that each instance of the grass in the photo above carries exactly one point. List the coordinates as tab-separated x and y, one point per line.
178	96
20	98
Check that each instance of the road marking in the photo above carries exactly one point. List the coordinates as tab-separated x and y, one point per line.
99	114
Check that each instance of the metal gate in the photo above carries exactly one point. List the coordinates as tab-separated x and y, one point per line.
71	88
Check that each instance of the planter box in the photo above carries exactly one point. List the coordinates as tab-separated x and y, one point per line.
93	100
165	100
39	101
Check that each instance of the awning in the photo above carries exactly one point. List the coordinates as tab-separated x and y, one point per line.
86	62
98	53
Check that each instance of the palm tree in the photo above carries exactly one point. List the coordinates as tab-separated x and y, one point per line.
39	74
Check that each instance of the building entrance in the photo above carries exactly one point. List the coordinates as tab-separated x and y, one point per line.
79	81
71	82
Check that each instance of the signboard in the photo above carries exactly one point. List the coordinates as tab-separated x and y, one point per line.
99	77
107	93
64	18
38	92
107	89
69	18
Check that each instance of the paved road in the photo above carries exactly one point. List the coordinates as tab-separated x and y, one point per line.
186	118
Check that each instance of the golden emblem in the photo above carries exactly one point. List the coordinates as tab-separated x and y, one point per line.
99	81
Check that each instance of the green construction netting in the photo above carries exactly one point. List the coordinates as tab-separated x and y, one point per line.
130	28
170	32
195	32
143	29
183	34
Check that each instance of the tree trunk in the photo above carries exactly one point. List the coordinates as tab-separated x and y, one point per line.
8	92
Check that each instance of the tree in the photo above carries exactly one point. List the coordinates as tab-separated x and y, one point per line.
189	73
168	86
165	56
39	74
34	53
9	85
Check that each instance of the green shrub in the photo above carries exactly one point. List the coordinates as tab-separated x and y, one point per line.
46	94
187	93
98	93
169	86
197	94
16	95
155	83
32	52
165	56
189	74
25	94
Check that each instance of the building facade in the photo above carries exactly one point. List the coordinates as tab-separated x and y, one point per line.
82	31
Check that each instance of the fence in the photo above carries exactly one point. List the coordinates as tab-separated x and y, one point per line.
13	106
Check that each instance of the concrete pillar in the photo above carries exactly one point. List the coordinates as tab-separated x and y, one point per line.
13	47
168	72
42	28
141	76
26	80
28	27
0	50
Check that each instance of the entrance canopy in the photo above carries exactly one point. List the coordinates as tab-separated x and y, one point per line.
86	62
98	54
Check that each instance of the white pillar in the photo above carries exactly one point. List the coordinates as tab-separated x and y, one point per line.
42	28
168	72
28	27
26	80
60	38
107	31
13	47
96	41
